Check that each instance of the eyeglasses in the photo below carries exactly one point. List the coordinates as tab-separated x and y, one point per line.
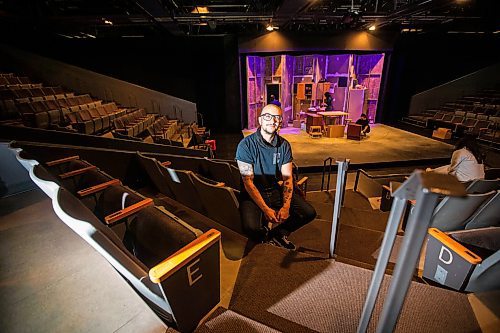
268	116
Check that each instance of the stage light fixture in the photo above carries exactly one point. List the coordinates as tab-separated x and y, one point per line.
271	27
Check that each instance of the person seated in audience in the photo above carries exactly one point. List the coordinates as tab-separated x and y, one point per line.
466	161
265	158
365	124
274	101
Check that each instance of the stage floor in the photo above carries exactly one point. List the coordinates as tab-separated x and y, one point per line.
383	144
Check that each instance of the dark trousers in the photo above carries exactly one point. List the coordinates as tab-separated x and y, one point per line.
255	225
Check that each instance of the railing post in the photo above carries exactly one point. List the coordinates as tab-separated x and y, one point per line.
425	188
342	166
391	230
323	175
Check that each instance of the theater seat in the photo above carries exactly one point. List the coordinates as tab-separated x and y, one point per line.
452	213
483	185
488	215
154	238
466	260
212	196
185	284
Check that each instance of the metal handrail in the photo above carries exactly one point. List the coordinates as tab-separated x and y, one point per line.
425	188
389	175
330	159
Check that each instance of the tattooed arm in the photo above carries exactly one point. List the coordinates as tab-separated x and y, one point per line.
286	172
246	171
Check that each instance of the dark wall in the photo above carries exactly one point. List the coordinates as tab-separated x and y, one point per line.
197	69
423	61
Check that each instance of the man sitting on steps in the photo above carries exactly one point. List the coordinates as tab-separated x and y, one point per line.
264	158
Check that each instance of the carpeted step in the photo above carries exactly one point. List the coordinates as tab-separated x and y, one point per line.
226	321
351	199
371	220
313	238
295	292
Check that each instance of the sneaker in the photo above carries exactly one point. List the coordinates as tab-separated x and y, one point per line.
282	242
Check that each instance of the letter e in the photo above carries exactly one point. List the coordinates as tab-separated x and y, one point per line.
191	272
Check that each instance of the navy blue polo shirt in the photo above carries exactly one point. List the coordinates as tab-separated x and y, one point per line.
266	158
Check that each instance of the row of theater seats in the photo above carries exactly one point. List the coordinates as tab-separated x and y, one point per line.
9	79
192	190
94	120
167	262
55	112
473	115
164	130
53	108
462	249
480	207
133	123
32	94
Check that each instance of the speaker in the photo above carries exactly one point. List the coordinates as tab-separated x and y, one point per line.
342	81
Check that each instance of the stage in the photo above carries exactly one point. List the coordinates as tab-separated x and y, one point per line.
384	145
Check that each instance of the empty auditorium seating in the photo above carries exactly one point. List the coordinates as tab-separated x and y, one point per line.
166	262
475	115
196	192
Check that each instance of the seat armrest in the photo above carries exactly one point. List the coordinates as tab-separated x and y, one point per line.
127	211
98	187
62	160
173	263
77	172
302	185
452	244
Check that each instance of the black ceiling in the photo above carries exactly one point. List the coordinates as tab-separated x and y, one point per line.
137	18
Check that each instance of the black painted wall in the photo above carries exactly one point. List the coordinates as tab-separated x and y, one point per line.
198	69
423	61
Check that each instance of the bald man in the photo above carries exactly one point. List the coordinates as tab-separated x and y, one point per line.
264	158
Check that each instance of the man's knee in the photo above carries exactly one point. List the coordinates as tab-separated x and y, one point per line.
309	213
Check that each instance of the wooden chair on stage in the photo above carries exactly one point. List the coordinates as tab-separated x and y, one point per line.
353	131
315	132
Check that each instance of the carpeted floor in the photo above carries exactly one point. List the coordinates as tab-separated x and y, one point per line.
296	292
360	233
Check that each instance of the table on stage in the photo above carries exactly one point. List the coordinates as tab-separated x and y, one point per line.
334	124
333	117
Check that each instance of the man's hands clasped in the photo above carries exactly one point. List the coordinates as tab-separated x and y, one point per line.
277	216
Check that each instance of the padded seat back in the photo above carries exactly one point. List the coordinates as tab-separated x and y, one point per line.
221	171
453	212
181	184
158	178
483	185
486	216
213	196
155	236
113	199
